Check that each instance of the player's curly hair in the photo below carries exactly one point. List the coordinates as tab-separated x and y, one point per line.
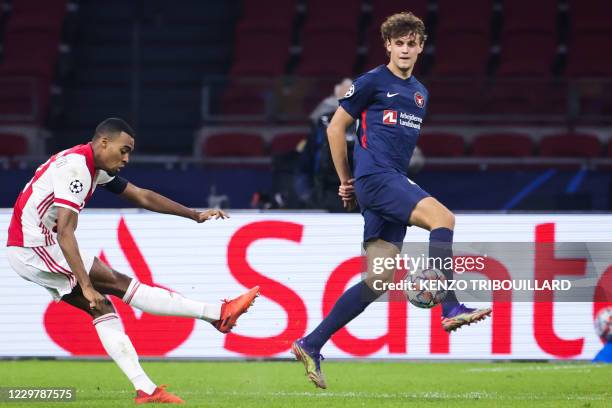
400	24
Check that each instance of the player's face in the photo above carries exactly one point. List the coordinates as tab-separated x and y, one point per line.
404	51
116	152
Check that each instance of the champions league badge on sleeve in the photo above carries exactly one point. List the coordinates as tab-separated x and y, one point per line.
76	186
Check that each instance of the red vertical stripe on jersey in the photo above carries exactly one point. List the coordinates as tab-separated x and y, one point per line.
15	232
364	127
89	159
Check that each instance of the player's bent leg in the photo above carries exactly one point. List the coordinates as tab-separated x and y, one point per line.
160	301
119	347
378	275
430	214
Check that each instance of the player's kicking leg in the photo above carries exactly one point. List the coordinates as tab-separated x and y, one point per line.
159	301
430	214
119	347
352	303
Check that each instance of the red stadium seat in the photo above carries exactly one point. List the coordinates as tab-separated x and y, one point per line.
37	15
261	52
30	53
585	56
570	145
455	97
286	142
529	15
455	15
381	9
340	15
13	145
442	144
24	99
502	145
525	97
245	99
590	15
527	54
328	53
453	59
267	14
234	145
505	97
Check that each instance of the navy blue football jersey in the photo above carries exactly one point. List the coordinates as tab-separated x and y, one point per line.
390	111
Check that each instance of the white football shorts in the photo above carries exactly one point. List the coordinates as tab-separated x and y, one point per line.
47	267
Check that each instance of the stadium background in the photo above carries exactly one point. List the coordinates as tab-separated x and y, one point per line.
219	94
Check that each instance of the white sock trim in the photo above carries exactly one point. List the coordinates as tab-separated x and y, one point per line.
104	318
131	290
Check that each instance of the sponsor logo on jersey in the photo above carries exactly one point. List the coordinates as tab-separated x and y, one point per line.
390	117
419	99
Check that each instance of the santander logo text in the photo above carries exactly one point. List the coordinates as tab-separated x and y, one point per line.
398	329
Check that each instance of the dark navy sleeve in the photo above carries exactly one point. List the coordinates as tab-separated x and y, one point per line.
359	96
117	185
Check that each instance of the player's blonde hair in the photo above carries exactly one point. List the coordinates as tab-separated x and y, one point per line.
401	24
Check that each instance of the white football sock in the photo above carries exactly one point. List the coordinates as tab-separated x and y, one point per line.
119	347
162	302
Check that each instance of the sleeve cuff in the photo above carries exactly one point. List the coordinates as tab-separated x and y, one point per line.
67	204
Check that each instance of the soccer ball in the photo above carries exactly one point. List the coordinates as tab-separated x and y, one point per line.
423	292
603	324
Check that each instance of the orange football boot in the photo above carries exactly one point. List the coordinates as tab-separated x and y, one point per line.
232	309
160	395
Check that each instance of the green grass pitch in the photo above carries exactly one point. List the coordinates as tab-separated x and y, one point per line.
351	383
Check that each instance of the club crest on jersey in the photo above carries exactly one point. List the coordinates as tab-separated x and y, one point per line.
419	99
76	186
350	92
390	117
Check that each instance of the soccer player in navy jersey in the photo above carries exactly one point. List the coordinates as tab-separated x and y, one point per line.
390	104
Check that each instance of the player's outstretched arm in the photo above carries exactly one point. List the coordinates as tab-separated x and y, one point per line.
153	201
67	221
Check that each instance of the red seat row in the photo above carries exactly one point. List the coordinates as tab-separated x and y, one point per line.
528	47
249	144
444	144
30	49
12	144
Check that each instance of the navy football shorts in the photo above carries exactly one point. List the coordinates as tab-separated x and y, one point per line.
386	201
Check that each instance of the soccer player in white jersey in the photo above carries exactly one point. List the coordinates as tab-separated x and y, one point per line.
42	248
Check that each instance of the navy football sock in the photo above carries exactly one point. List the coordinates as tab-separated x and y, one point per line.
441	248
347	307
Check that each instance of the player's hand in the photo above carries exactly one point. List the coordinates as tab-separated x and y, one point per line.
201	216
347	189
96	299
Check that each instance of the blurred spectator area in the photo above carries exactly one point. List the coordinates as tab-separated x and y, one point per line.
513	61
514	71
35	40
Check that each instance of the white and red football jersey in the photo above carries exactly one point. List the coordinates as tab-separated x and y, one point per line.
67	179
